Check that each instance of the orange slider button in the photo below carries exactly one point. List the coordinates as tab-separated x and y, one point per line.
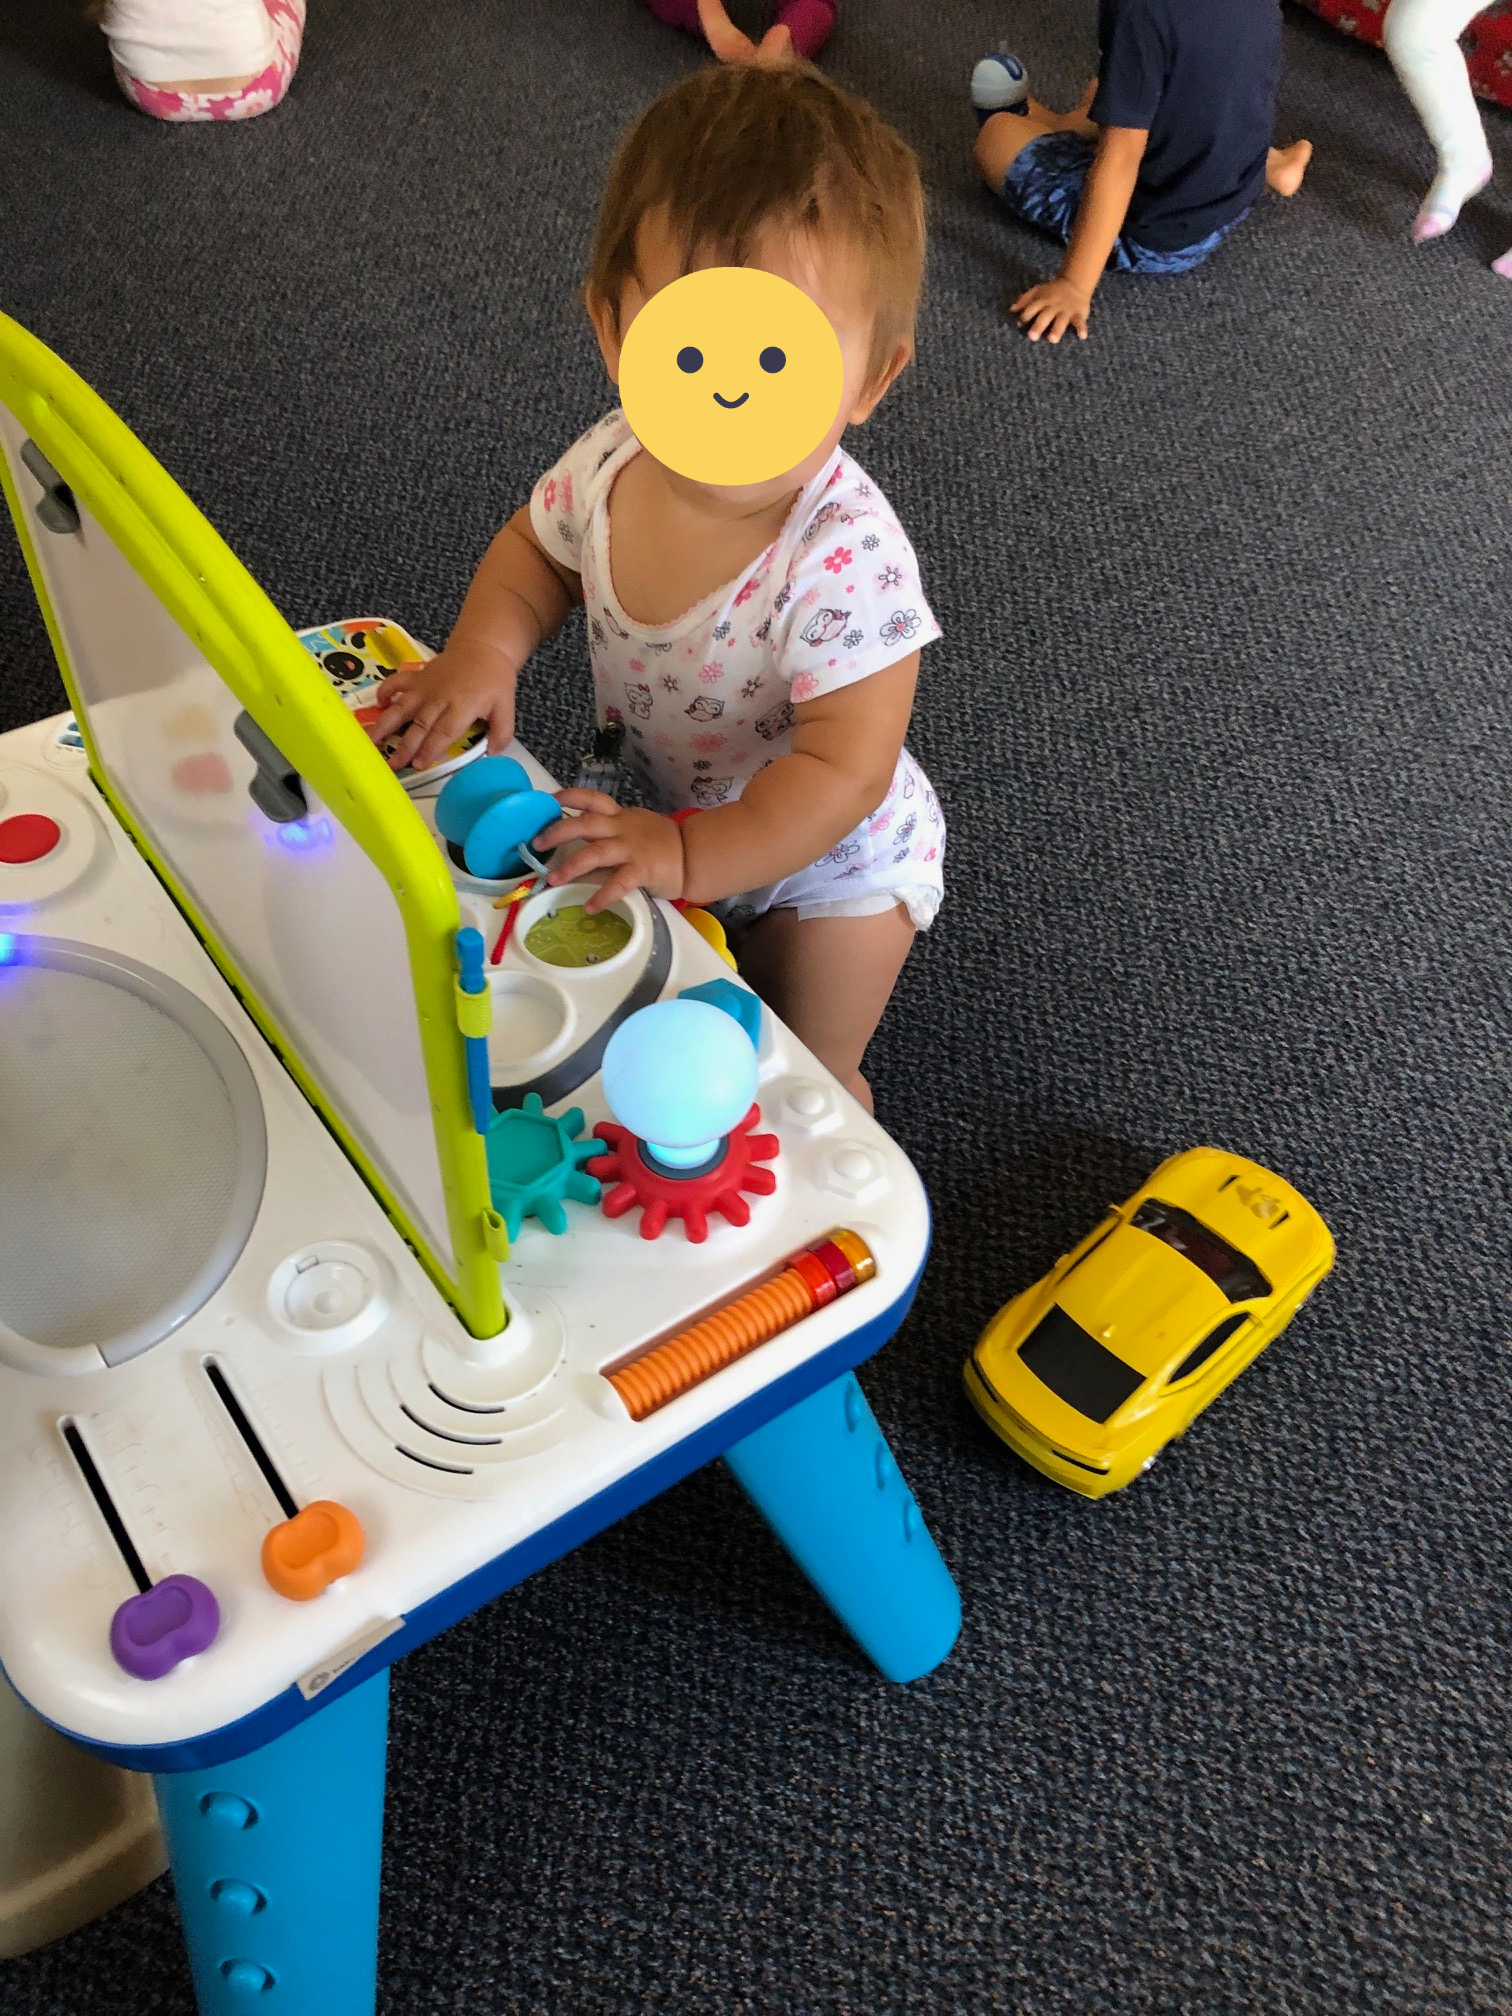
304	1555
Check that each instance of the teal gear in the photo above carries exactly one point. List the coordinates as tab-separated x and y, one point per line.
535	1164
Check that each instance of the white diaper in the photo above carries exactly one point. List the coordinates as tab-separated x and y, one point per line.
895	856
173	41
921	905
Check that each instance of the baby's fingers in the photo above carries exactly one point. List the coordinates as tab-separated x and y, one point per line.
427	739
397	682
397	712
623	883
500	724
578	800
586	860
587	826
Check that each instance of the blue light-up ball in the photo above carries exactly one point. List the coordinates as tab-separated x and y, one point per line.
680	1075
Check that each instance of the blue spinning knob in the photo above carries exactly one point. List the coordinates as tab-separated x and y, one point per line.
492	814
680	1075
467	794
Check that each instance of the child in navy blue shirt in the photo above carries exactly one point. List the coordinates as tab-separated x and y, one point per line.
1168	150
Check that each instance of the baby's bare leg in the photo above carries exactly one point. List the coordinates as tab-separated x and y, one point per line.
829	979
1006	134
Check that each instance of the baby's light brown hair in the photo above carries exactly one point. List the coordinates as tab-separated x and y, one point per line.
735	150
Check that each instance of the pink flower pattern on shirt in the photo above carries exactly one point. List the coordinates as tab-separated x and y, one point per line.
799	623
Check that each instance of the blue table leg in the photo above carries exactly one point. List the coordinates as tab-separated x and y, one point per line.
824	1478
275	1859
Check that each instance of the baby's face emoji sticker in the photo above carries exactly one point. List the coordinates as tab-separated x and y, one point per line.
731	375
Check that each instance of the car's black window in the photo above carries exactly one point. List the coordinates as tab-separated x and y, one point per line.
1076	1368
1239	1278
1214	1340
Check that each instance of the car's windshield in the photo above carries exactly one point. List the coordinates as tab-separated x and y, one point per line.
1076	1368
1239	1278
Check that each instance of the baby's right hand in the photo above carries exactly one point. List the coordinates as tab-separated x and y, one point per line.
437	702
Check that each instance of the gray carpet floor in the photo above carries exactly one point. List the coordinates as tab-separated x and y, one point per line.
1221	723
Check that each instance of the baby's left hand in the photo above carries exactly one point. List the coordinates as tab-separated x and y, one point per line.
1051	308
644	849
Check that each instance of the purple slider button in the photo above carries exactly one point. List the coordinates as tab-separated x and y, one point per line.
152	1632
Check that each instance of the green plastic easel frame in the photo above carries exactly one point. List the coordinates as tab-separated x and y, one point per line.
216	602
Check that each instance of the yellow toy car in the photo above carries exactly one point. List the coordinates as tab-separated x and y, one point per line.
1092	1371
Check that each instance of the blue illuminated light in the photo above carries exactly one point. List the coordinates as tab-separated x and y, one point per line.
7	947
302	836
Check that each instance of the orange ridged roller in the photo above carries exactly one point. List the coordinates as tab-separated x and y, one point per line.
754	1318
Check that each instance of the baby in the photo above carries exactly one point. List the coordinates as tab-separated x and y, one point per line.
203	59
759	644
1168	150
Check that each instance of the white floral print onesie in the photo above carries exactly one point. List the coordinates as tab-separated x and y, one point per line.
707	700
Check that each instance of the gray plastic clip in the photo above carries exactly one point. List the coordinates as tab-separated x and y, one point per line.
276	788
55	507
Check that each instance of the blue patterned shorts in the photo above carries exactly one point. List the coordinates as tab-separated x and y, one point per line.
1044	187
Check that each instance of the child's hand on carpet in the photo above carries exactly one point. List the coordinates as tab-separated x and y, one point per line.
643	849
435	704
1051	308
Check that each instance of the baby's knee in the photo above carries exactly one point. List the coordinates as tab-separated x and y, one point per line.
998	145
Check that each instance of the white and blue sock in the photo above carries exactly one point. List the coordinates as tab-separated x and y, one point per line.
999	83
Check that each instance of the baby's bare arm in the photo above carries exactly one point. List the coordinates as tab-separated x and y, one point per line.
1065	302
519	597
845	749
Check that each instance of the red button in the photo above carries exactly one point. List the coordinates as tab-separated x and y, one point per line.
28	836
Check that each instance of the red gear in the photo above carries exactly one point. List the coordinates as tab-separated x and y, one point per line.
630	1179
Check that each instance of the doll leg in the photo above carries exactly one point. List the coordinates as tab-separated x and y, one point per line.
1422	40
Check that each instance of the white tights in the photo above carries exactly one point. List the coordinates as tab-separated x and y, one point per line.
1422	40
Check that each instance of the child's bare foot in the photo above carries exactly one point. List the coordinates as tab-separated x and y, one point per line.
1285	167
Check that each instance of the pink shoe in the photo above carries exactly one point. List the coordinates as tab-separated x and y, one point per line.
810	23
1504	264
